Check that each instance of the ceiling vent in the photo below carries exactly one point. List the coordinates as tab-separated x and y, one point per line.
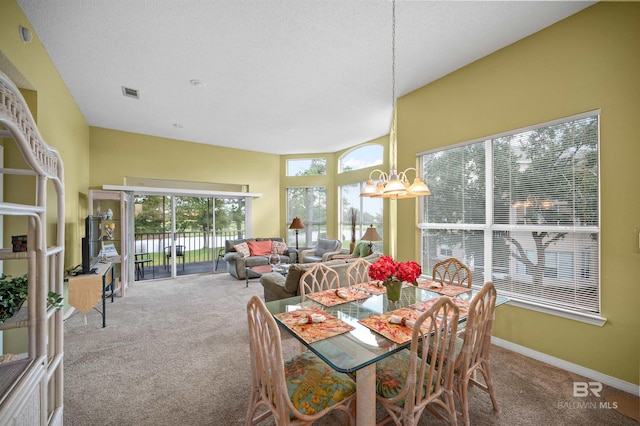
130	93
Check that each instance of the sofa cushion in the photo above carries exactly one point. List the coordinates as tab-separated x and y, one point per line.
293	277
325	246
229	244
259	248
243	248
278	247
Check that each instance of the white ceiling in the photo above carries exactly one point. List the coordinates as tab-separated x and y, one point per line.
282	76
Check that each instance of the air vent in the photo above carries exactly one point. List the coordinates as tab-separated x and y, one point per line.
130	93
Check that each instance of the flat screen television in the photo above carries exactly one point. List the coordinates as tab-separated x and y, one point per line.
90	242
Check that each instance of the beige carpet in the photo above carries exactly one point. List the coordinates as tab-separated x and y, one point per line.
175	352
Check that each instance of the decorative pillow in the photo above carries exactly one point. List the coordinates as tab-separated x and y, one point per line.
356	250
243	248
363	250
259	248
325	246
278	247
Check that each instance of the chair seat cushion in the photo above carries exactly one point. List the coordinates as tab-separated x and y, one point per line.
391	375
314	386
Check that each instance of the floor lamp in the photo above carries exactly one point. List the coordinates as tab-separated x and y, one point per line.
297	225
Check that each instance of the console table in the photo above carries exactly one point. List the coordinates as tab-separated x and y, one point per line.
85	291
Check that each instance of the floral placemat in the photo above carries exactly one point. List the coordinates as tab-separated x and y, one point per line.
396	332
330	297
312	332
463	306
371	287
444	289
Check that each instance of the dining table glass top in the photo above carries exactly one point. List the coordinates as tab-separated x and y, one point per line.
352	350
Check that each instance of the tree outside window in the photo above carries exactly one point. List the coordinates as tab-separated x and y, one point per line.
310	205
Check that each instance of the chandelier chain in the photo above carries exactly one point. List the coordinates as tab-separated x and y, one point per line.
393	140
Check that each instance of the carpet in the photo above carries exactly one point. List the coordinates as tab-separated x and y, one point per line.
175	351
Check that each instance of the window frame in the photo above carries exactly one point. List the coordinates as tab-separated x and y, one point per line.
310	227
354	152
360	224
489	228
310	160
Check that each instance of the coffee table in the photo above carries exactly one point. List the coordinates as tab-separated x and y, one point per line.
258	270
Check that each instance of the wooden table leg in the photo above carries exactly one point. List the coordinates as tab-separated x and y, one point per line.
366	395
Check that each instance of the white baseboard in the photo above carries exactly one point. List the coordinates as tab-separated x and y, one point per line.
568	366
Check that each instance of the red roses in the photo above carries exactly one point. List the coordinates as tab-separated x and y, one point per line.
386	268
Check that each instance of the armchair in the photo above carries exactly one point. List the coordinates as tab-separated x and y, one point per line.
323	251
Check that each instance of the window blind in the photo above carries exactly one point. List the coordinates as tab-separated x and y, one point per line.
522	210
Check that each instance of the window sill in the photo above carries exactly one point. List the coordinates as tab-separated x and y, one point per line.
559	312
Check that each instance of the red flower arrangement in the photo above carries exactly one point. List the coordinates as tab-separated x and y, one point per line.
386	269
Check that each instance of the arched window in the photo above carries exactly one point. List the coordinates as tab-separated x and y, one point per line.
360	158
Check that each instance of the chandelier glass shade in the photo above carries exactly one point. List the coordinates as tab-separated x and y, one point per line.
394	185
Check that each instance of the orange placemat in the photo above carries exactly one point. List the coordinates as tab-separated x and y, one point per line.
463	306
396	332
329	297
310	333
447	290
372	287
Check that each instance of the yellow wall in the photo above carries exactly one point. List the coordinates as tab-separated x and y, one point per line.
583	63
116	154
58	118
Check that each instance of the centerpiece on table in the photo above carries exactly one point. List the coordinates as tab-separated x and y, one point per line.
393	274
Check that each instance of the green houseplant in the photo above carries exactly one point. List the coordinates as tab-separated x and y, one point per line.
13	293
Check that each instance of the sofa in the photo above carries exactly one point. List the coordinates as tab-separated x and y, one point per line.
276	286
247	252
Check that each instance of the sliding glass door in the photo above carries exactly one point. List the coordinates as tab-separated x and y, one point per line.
180	235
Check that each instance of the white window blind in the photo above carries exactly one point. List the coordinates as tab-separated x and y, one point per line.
522	210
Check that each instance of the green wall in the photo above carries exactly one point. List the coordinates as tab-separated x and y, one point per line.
588	61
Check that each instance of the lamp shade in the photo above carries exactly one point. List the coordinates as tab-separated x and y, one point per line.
371	235
296	223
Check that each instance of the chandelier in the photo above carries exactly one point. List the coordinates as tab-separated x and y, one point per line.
394	184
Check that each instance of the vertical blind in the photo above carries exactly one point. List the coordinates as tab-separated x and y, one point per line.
522	210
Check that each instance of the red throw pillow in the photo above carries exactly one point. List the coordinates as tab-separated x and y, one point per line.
259	248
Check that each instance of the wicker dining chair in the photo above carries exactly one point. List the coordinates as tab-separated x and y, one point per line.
473	355
319	277
358	272
407	384
297	391
452	271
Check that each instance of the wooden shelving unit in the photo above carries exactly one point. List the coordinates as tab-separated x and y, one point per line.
31	388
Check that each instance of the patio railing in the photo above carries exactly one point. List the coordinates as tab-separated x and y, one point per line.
198	246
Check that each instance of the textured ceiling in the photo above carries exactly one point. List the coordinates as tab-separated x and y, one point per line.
281	76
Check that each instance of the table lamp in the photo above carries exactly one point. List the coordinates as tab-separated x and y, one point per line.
297	225
371	235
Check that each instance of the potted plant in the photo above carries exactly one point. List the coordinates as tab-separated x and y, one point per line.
13	293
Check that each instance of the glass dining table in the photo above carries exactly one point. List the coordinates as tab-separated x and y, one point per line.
358	349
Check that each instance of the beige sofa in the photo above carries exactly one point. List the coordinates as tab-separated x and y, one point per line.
278	287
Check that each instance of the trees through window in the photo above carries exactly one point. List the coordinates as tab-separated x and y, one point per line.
523	209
